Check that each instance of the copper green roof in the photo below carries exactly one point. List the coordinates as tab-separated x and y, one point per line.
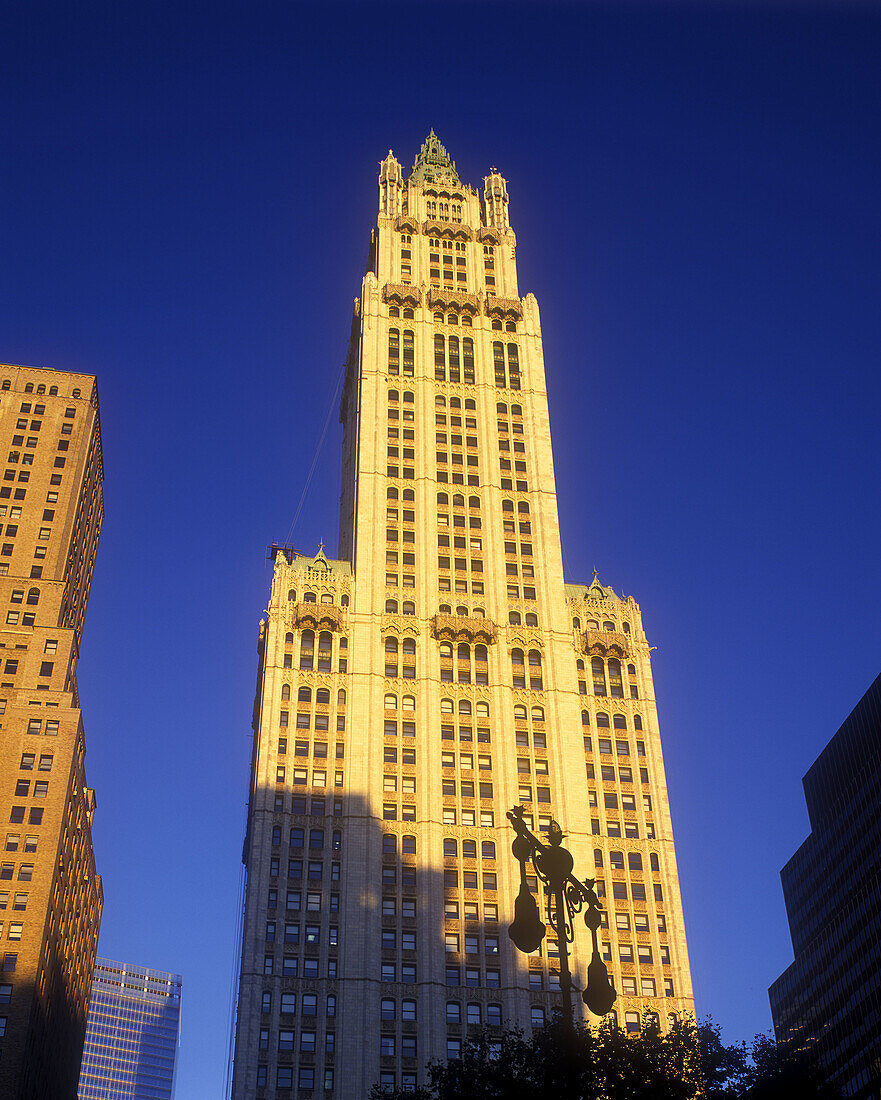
433	165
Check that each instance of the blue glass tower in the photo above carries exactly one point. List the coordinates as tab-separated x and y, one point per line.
132	1034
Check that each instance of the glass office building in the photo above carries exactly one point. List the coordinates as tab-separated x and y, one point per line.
132	1035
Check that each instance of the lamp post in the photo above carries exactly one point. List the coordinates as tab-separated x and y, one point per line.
565	896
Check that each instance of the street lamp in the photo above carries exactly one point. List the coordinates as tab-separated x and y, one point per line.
565	896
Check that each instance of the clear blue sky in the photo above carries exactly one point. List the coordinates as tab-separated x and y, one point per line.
186	194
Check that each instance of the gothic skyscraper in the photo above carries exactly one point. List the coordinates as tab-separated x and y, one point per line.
435	674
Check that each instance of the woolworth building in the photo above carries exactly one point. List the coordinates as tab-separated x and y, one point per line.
439	671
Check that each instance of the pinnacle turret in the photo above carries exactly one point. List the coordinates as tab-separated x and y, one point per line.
433	164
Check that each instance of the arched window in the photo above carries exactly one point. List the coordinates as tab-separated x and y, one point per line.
487	850
576	624
523	506
616	861
516	656
468	365
501	408
463	652
455	403
41	389
389	844
464	706
408	702
446	650
391	644
634	861
480	653
292	595
391	493
394	351
322	697
514	618
631	670
33	596
341	697
579	665
520	712
325	642
531	618
326	598
453	352
309	597
507	505
494	1014
474	502
598	670
592	624
391	607
304	695
408	494
637	722
446	706
482	710
619	721
616	687
75	393
408	356
538	714
608	625
458	501
285	691
603	720
585	718
307	646
391	702
408	396
473	1013
461	610
451	848
409	608
442	498
597	857
626	627
6	384
29	388
394	397
53	391
654	863
440	366
469	849
408	645
408	845
478	613
393	311
440	401
454	1012
445	609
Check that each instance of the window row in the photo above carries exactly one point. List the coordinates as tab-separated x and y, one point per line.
447	359
307	1041
306	1077
619	721
469	849
293	900
634	860
297	838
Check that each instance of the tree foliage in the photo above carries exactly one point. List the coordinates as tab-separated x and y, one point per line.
689	1062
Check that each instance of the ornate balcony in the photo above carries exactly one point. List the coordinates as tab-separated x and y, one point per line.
453	299
462	628
606	643
436	228
319	616
504	307
406	222
401	292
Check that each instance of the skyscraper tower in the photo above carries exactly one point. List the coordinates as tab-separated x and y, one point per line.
132	1035
437	673
51	509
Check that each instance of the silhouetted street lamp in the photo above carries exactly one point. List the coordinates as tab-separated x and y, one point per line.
566	896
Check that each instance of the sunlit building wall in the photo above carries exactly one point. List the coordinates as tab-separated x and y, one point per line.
133	1034
829	999
51	510
438	672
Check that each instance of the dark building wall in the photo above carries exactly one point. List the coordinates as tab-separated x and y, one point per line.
831	993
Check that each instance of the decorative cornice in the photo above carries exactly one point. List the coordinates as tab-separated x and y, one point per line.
464	628
603	643
491	233
503	307
457	298
401	292
407	221
432	227
400	624
322	616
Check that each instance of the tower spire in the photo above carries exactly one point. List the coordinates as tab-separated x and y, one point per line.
433	164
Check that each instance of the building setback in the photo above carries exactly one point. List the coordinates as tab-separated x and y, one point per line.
51	509
133	1034
830	997
437	673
